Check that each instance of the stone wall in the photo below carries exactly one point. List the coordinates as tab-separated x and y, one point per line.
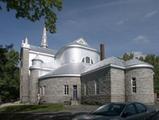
99	93
24	75
54	89
33	86
144	85
117	85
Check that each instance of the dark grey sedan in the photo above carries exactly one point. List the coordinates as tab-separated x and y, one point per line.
119	111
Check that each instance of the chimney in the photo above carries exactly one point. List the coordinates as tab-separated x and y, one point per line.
102	52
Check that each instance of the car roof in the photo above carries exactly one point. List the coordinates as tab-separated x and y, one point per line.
125	103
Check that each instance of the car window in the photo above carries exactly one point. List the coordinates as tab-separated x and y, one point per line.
110	109
130	110
140	108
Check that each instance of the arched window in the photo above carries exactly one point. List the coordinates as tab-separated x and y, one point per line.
91	61
87	60
83	60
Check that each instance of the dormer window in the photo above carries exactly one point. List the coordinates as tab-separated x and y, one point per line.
87	60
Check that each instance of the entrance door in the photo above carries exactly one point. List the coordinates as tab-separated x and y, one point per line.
74	92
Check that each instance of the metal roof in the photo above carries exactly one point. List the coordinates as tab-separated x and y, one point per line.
118	63
79	43
42	50
72	69
108	61
76	69
134	62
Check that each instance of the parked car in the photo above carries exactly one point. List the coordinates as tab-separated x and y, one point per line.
119	111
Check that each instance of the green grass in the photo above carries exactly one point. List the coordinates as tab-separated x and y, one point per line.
33	108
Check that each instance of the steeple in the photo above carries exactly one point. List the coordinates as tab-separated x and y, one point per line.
25	43
44	39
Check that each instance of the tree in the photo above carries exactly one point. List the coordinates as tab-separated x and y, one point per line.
127	56
9	77
34	10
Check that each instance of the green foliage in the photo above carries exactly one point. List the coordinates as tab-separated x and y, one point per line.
33	108
36	9
127	56
9	77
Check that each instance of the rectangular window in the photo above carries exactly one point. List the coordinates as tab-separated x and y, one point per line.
66	89
40	91
43	90
95	87
85	89
133	84
97	91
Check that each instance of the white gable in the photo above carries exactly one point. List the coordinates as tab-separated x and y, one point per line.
81	41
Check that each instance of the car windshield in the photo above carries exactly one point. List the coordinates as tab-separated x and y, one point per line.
110	109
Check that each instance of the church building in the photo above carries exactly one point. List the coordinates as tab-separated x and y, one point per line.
78	73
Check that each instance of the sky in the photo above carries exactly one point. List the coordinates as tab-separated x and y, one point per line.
122	25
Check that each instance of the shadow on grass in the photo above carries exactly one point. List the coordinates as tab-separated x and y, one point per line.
34	116
33	108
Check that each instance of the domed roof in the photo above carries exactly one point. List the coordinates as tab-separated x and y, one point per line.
79	43
72	69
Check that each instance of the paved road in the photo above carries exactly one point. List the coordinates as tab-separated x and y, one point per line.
69	112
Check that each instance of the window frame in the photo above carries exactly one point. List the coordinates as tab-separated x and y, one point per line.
133	85
66	89
84	89
87	60
95	87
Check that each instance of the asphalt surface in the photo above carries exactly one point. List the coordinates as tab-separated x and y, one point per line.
46	116
68	114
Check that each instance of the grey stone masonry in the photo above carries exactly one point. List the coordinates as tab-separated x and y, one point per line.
34	86
24	75
144	85
96	87
55	89
117	85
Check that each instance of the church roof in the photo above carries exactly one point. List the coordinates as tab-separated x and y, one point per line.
80	41
72	69
118	63
136	63
112	60
41	49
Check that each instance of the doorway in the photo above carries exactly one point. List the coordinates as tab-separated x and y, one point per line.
74	92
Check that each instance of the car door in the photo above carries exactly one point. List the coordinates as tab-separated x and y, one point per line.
141	110
130	113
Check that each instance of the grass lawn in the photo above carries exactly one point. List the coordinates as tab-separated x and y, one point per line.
33	108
